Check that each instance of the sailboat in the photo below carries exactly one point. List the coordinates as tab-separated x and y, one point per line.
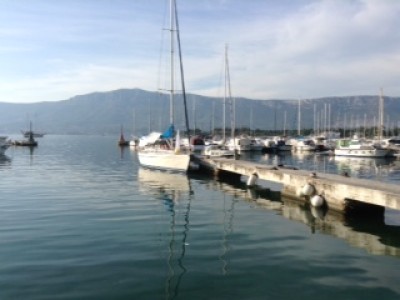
357	147
162	152
122	142
233	144
30	142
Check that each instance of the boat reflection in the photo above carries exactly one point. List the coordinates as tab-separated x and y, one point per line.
175	192
370	234
174	186
4	160
362	166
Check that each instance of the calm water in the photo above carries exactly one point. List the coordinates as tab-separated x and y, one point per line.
81	220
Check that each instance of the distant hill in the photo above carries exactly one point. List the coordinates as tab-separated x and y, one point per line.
139	111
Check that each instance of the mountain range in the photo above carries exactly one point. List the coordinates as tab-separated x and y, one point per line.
138	112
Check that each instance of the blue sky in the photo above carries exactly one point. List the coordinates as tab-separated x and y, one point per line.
286	49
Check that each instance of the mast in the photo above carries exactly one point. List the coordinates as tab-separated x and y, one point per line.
251	118
365	124
299	120
194	115
228	88
325	118
381	124
329	119
212	119
224	102
182	72
172	63
315	126
284	123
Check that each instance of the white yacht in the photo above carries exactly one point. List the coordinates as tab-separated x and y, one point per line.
239	144
256	144
303	144
215	150
355	147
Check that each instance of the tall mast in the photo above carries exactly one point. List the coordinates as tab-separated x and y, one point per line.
315	126
380	129
284	123
299	120
251	118
325	118
182	72
212	119
329	118
194	115
225	93
232	102
172	32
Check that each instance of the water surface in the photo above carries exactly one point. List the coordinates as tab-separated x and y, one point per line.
81	220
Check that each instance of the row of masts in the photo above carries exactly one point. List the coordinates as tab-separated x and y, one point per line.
322	121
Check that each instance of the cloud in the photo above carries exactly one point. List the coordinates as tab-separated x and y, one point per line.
277	49
79	80
324	48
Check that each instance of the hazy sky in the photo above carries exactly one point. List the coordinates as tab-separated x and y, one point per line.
278	49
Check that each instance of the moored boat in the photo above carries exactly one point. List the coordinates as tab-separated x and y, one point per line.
256	144
122	141
164	159
239	144
355	147
303	144
215	150
162	152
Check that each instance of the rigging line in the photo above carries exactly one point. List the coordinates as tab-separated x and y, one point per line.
172	83
160	58
231	101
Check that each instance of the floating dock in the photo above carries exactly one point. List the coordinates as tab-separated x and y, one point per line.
339	193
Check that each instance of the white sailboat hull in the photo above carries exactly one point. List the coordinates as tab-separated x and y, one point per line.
164	160
217	151
355	147
362	152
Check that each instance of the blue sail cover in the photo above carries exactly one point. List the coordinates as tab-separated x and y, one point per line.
169	133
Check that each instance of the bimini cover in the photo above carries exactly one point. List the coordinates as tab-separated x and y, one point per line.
169	133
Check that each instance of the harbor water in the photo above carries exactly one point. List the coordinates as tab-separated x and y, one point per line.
80	219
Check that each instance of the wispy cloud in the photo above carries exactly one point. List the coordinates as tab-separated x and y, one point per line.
277	49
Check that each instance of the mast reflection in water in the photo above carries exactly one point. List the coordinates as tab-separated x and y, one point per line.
174	191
